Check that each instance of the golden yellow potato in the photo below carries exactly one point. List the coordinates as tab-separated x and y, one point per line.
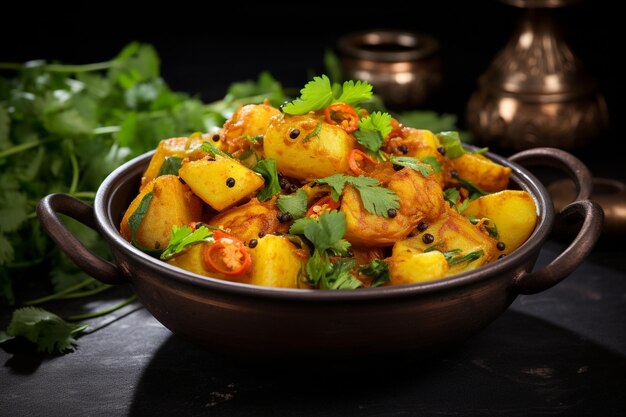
182	147
311	154
246	221
221	183
482	172
420	198
172	204
513	212
276	262
408	265
249	120
454	232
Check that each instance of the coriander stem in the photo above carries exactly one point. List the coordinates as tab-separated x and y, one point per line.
75	171
106	129
21	148
86	316
87	293
85	194
58	294
98	66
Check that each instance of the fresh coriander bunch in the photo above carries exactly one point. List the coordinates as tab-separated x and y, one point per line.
63	128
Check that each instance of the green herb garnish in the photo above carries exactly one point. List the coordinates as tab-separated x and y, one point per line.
47	330
319	93
267	168
376	199
313	133
294	204
135	219
378	270
209	148
170	166
451	142
183	237
413	163
373	129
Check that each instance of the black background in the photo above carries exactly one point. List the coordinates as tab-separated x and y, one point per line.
204	47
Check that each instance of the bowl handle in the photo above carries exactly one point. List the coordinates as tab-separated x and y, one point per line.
590	211
84	258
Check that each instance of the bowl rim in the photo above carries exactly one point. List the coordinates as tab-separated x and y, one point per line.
129	170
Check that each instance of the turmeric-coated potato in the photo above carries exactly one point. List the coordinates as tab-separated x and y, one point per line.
245	124
172	204
221	183
455	235
276	262
190	148
420	144
305	147
246	221
408	265
420	198
513	212
482	172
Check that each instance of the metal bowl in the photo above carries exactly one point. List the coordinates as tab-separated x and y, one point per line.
247	319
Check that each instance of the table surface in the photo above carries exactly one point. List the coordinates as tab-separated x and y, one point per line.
560	352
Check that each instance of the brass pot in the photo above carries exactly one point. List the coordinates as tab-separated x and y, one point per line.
536	92
403	67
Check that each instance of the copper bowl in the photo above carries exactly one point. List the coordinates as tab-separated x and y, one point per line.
246	319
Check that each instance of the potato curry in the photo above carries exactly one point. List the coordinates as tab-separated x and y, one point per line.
323	194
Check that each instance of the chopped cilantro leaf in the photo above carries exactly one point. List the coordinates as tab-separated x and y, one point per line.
267	168
353	93
376	199
182	237
315	95
170	166
451	142
378	270
413	163
208	147
294	204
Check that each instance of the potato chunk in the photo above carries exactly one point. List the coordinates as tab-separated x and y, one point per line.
513	212
246	221
311	153
276	262
420	198
190	148
221	183
453	232
408	265
190	259
172	204
482	172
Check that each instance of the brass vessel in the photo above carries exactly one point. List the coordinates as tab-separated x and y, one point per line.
536	91
403	67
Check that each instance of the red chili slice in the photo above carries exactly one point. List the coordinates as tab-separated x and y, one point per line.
227	255
342	115
325	203
354	157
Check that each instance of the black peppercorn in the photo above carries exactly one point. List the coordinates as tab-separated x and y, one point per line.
216	138
501	246
230	182
422	226
397	167
294	133
428	238
253	243
283	183
392	212
402	148
454	173
261	233
441	150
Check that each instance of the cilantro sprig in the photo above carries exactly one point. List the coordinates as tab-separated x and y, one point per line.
267	168
49	332
319	93
326	234
426	166
376	199
373	129
294	204
183	237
